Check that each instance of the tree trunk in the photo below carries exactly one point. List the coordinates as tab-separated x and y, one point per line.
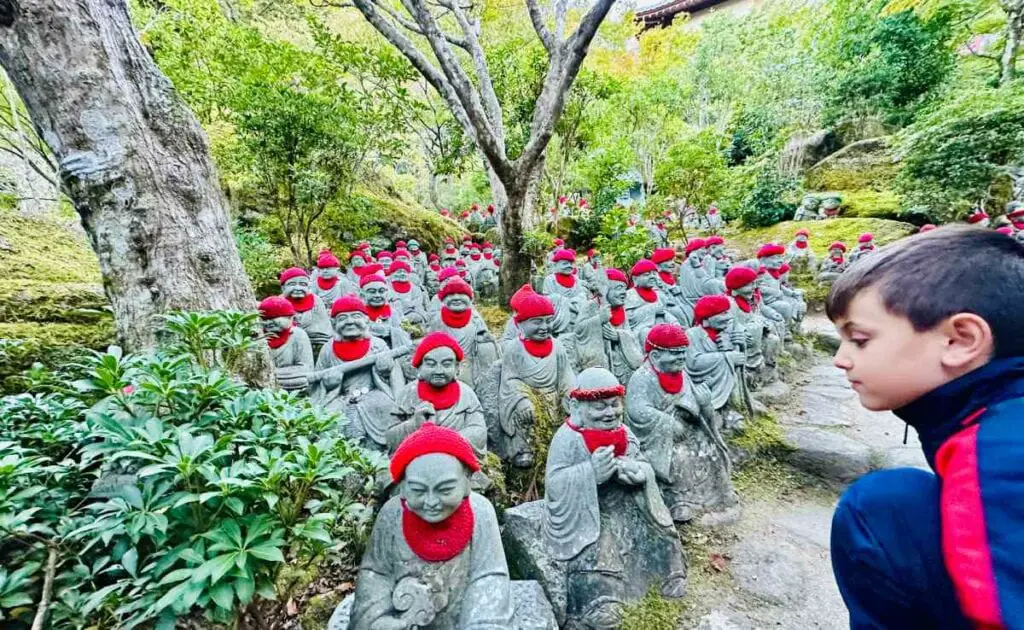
133	160
515	265
1014	24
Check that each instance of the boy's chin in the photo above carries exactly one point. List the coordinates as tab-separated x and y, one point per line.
875	403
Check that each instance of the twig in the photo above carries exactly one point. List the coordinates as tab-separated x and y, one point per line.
44	601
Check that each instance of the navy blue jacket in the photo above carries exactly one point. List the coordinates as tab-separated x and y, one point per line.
972	433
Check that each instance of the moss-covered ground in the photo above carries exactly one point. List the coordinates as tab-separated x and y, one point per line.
823	233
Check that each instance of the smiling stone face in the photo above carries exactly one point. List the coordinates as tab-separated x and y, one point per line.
457	302
351	325
564	267
439	367
669	361
536	328
616	293
646	280
434	486
275	325
375	294
297	287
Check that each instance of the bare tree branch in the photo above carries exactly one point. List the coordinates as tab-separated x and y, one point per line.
483	74
538	25
411	26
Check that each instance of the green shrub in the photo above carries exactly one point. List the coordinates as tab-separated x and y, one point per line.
261	259
161	487
620	245
768	201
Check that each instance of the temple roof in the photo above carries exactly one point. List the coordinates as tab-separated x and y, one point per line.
662	14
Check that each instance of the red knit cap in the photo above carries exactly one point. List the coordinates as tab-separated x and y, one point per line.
642	266
458	285
369	270
558	242
1017	212
400	245
837	245
363	245
1007	230
517	297
358	254
327	259
739	276
714	240
770	249
276	306
460	263
533	305
663	254
385	254
292	272
433	258
467	238
977	217
803	232
694	244
597	393
428	439
866	237
433	341
564	254
348	304
447	272
474	247
709	306
928	227
370	278
402	252
487	245
616	275
591	253
399	265
666	336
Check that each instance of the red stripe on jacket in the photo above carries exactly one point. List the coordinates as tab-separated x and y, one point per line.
965	545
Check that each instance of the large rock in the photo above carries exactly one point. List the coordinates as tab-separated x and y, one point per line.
531	609
528	558
831	456
769	571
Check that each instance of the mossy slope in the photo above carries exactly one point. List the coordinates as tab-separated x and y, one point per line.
823	233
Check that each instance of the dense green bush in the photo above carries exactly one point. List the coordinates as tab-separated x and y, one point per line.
769	199
621	245
261	260
147	488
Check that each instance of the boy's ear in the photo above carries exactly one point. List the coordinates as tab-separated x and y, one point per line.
969	341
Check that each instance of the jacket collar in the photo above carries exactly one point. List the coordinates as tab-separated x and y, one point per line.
938	414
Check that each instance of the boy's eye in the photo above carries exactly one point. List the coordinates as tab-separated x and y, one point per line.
859	342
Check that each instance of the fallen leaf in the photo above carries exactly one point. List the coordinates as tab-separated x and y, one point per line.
719	562
291	607
345	587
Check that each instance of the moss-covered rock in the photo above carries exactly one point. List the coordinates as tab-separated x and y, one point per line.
33	301
25	343
318	610
653	612
44	249
395	219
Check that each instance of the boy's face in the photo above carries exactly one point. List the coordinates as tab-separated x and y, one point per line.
888	363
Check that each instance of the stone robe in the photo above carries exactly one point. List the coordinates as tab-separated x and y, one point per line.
485	279
709	366
420	264
771	293
859	253
390	330
688	459
293	361
316	322
694	283
642	314
547	379
412	304
477	343
621	356
593	277
831	268
466	417
472	588
364	396
343	286
617	540
802	259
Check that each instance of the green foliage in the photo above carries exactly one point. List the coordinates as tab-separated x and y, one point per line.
653	612
770	200
694	170
953	156
167	489
261	260
621	245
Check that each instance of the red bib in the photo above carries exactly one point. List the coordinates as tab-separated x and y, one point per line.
303	305
281	339
351	350
775	273
618	315
667	277
401	286
596	438
539	349
438	542
441	397
325	283
742	303
669	381
800	244
455	319
377	312
566	280
647	294
712	333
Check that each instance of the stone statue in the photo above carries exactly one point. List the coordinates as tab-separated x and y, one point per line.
437	396
835	264
290	350
604	337
535	377
606	519
772	256
485	279
449	255
668	283
658	233
714	219
794	295
435	558
799	254
403	256
430	281
644	305
672	421
330	283
356	260
385	322
456	319
357	375
808	209
830	206
976	217
569	297
310	312
716	353
419	259
405	296
694	281
763	343
865	245
717	261
490	221
592	273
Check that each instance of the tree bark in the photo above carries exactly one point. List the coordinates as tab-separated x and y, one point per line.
132	157
1014	24
515	265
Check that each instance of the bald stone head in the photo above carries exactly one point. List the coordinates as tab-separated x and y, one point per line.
435	485
603	414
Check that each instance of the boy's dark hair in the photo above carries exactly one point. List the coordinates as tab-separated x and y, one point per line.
929	277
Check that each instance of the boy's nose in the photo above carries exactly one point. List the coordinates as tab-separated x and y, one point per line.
841	361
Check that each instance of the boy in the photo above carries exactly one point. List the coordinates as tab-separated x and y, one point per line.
931	329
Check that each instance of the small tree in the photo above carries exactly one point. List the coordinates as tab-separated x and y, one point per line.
451	31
